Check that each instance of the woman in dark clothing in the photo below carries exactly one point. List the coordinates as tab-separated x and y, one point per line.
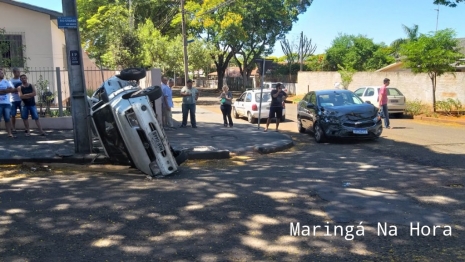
226	101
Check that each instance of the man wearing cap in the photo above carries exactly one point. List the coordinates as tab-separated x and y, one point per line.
383	100
189	97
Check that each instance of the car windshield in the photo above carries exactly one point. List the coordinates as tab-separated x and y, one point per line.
266	97
338	99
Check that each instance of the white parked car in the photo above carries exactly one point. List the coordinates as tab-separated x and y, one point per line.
396	100
248	104
272	86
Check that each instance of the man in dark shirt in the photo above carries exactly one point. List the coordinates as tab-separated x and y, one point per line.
27	92
276	107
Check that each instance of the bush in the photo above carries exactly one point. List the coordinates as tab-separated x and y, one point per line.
415	108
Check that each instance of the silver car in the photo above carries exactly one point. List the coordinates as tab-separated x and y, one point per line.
396	100
126	125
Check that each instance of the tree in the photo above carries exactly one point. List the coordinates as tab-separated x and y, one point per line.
448	2
306	49
346	76
434	54
249	27
412	35
199	55
357	52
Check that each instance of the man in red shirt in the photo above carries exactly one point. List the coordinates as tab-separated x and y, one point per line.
383	101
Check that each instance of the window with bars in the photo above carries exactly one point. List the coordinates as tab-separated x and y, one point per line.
12	50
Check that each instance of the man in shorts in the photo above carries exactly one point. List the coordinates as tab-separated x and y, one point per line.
276	106
27	92
15	100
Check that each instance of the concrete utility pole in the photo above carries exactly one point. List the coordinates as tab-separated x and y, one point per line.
184	39
80	110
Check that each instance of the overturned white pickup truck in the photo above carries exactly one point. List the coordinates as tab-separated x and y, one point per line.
125	122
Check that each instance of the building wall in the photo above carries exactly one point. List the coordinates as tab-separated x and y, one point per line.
36	30
413	86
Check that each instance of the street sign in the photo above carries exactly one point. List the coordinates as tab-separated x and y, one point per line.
74	56
65	22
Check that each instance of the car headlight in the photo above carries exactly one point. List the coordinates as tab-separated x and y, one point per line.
132	119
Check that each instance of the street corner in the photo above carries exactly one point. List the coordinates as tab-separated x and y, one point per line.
206	153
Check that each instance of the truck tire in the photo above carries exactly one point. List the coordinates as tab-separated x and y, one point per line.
153	93
129	74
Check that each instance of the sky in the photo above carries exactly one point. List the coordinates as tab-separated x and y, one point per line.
380	20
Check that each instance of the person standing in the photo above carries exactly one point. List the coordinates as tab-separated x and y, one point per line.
226	105
383	101
6	88
27	92
276	106
164	86
168	104
15	100
189	98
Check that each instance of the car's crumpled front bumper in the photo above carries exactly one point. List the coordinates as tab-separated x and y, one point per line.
368	129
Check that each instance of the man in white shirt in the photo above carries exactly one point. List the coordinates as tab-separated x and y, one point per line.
168	104
15	99
6	88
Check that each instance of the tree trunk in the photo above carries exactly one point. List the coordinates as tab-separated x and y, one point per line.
220	73
433	82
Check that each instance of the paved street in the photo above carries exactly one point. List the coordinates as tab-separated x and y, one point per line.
241	209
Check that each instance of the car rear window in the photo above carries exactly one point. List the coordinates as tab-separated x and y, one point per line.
266	97
394	92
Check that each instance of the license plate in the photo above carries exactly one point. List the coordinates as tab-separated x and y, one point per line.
155	139
394	101
360	131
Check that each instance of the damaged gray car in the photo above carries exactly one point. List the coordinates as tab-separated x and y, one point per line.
337	114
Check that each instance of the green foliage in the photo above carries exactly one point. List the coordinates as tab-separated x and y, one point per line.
357	52
283	69
56	113
450	105
316	63
346	75
433	54
450	3
415	107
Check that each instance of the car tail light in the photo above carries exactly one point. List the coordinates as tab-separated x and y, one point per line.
254	107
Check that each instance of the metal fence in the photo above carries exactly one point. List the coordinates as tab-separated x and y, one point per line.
56	79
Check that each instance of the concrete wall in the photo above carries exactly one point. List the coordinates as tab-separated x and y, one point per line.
413	86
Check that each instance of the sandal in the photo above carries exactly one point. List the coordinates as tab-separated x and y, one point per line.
12	136
43	134
27	133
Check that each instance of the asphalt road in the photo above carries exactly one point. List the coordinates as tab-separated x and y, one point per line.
241	209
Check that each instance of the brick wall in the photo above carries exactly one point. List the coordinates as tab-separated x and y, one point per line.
413	86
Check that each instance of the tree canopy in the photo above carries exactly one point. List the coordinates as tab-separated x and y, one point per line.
434	54
357	52
450	3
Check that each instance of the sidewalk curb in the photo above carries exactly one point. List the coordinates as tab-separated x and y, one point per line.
432	119
274	147
75	159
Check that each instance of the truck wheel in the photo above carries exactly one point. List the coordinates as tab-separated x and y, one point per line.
129	74
153	93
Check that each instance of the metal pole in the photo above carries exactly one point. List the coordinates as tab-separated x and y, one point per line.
80	110
184	39
60	102
261	94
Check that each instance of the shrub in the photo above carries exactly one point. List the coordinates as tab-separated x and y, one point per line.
415	107
456	105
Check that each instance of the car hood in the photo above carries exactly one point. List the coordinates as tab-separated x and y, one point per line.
352	112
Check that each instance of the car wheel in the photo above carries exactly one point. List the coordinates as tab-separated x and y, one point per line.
236	116
283	118
299	126
153	93
318	133
132	74
250	118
